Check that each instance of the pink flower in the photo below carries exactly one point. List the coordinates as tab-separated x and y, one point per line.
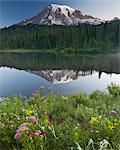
17	136
21	129
24	125
30	133
32	119
46	133
37	133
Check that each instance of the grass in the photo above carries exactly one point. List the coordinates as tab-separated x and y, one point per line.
78	122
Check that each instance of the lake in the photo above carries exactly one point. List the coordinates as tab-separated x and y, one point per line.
25	73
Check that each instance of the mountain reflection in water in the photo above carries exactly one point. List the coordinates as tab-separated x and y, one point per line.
64	74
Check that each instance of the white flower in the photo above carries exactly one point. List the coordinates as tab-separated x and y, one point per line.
42	128
104	144
23	110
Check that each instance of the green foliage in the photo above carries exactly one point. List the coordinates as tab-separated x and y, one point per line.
114	90
58	122
69	39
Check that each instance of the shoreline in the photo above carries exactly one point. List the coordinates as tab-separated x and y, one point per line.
65	51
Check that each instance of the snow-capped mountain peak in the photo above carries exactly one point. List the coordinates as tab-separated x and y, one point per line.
64	9
61	15
61	76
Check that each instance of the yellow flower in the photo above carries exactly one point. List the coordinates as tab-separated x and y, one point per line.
46	121
94	120
65	97
111	126
28	112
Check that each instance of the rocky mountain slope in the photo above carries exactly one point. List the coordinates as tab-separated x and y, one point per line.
61	76
61	15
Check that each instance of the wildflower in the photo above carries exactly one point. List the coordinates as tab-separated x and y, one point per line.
104	144
32	119
76	128
27	117
100	117
24	125
113	112
11	122
46	121
30	133
23	110
65	97
41	136
28	112
94	120
4	114
111	126
50	118
45	113
18	118
97	131
17	136
37	133
42	128
46	133
21	129
11	126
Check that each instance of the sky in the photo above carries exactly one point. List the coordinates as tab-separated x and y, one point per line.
14	11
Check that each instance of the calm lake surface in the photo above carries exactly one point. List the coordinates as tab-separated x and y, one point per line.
25	73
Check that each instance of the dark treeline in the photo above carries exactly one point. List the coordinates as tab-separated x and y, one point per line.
105	36
109	63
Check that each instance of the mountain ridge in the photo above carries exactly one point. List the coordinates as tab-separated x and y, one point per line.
55	14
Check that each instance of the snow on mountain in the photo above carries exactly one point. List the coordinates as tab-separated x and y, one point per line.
64	9
113	20
61	15
61	76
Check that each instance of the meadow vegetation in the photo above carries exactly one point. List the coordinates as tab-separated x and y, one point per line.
77	122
